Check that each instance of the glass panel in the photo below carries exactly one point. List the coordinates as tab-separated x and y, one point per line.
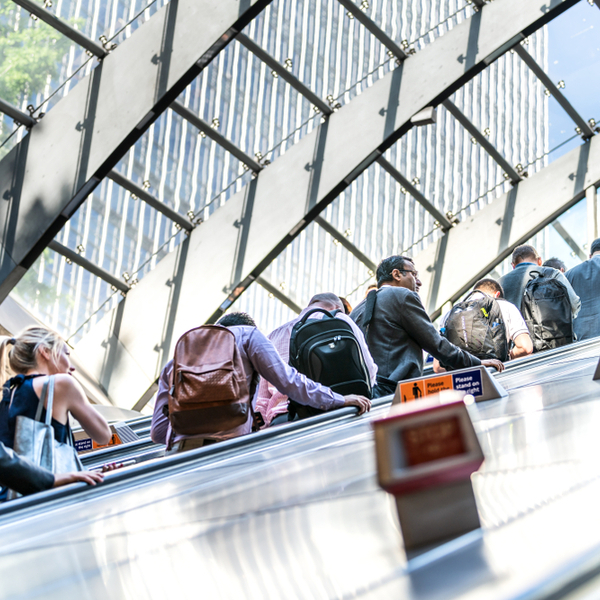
32	56
39	66
261	114
574	58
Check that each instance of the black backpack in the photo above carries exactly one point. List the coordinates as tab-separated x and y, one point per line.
327	351
476	325
546	309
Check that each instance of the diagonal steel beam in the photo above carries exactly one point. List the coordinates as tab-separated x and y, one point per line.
50	172
586	130
76	36
88	265
149	199
564	234
371	26
278	294
274	65
214	135
16	114
485	144
346	243
443	220
241	239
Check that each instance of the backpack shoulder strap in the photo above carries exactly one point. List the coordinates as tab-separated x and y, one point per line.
312	311
369	310
471	293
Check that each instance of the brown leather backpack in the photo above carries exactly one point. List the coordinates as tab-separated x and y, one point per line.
209	391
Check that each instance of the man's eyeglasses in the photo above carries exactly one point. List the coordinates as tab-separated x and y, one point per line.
415	274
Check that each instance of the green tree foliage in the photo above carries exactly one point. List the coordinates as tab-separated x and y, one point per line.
31	291
30	53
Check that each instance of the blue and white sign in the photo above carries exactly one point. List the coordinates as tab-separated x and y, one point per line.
83	445
469	382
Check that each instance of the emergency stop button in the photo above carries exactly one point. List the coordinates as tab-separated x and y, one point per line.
426	454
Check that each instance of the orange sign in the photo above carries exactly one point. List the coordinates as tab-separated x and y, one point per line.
413	390
115	440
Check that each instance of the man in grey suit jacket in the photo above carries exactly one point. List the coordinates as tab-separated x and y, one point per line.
585	279
397	328
525	259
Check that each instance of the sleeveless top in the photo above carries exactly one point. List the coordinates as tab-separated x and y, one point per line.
24	402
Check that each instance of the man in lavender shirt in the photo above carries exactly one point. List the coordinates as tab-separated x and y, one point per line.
259	356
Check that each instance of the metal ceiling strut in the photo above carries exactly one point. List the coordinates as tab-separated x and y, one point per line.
443	220
149	199
231	250
73	34
16	114
564	234
214	135
274	65
482	140
51	171
584	127
371	26
346	243
277	293
88	265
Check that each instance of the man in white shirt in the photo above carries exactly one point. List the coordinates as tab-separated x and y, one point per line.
516	328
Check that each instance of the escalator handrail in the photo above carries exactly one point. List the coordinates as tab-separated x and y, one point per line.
182	459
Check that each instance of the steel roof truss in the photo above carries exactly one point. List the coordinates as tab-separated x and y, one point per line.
584	128
283	73
149	199
16	114
214	135
442	219
482	140
564	234
88	265
277	293
371	26
346	243
252	228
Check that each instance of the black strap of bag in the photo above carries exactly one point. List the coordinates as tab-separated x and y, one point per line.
42	401
312	311
369	310
48	394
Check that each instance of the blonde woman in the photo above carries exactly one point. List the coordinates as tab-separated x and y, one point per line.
32	356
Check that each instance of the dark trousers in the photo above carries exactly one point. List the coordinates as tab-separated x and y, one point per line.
384	387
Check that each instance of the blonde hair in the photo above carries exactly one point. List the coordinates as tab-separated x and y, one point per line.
23	350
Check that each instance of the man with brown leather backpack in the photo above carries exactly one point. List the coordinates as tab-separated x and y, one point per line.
205	393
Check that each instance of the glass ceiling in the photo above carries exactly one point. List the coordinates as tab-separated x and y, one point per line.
238	95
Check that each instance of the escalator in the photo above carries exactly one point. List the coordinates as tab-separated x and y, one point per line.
295	512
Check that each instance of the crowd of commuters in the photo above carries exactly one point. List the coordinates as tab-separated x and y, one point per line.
392	333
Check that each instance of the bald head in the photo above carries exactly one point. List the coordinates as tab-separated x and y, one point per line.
327	301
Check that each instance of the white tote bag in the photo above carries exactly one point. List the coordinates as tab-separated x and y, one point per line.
34	440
